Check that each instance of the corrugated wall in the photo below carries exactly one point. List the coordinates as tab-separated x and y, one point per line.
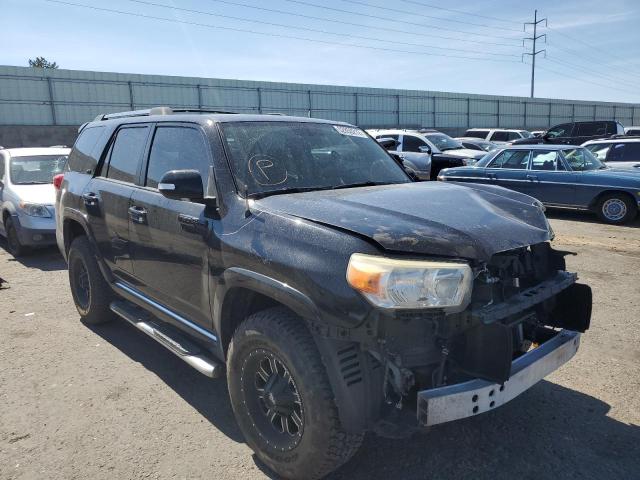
31	96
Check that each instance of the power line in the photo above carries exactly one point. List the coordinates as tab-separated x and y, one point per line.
402	22
583	80
488	17
361	25
564	63
593	47
292	37
260	22
442	19
590	57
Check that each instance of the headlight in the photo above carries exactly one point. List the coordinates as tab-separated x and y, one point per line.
390	283
34	210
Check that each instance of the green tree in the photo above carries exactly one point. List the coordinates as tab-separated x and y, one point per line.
41	62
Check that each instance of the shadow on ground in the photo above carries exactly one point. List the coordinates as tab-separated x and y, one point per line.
549	432
46	259
586	217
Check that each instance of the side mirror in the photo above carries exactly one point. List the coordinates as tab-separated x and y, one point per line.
424	149
388	143
182	184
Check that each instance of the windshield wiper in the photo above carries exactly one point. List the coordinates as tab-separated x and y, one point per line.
444	149
314	189
33	183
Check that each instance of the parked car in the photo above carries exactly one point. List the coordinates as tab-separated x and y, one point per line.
558	176
617	153
498	135
576	133
632	131
440	150
477	144
295	255
27	196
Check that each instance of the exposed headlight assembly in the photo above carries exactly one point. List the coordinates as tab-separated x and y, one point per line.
411	284
34	210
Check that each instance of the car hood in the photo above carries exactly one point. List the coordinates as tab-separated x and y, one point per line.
464	153
44	194
431	218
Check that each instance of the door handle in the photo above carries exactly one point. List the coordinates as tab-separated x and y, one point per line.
90	199
492	176
532	178
138	214
637	165
192	224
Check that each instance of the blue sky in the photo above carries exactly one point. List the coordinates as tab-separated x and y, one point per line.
592	46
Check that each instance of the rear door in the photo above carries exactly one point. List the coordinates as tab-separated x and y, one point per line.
106	197
509	169
410	146
169	237
586	131
624	155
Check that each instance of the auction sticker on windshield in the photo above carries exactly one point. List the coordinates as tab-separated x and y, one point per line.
350	131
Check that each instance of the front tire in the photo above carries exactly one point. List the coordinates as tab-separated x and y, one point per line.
91	293
616	209
282	399
13	240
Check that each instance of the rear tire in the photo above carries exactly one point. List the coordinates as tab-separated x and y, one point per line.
13	241
91	293
616	209
282	399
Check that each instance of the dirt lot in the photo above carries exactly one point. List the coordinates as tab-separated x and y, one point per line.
109	403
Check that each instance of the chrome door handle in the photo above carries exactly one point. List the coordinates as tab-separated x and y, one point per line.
90	199
138	214
532	177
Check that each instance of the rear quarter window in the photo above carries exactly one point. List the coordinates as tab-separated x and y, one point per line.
477	133
83	157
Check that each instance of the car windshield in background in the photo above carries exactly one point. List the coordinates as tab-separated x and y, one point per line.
581	159
36	169
526	134
444	142
273	157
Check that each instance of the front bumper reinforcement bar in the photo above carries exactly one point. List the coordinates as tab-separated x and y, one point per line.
454	402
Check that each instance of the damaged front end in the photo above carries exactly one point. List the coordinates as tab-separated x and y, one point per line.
522	322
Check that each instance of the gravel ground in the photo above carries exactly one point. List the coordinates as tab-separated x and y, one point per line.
108	402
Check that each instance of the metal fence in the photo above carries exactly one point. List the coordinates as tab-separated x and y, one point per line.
30	96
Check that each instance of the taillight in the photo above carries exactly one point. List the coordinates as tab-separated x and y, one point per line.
57	181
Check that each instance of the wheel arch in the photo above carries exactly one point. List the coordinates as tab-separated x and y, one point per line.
246	292
611	191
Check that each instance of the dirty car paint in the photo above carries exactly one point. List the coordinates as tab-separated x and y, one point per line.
418	218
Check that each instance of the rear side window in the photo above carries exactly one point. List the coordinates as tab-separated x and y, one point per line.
2	160
624	152
591	129
177	148
633	131
516	159
126	153
83	158
476	133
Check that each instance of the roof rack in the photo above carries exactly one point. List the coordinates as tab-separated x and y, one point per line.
158	111
624	136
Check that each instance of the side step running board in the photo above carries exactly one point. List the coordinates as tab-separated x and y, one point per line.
168	337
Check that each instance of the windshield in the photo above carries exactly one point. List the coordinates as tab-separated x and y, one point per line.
581	159
444	142
36	169
269	157
526	134
600	150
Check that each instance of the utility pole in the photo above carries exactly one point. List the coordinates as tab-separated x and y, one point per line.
534	53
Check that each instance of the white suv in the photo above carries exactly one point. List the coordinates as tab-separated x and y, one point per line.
617	152
498	135
27	196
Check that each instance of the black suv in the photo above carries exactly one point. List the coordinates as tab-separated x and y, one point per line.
297	257
576	133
